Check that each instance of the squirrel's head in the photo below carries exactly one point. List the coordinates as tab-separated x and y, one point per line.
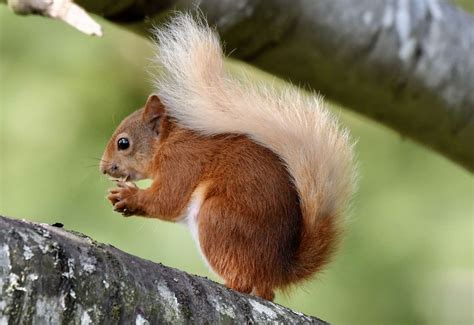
129	153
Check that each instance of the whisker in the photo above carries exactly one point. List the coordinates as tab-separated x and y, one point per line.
90	166
99	159
95	158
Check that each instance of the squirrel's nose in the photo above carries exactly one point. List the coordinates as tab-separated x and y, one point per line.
104	168
112	170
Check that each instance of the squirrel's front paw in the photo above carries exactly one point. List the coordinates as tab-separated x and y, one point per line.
124	199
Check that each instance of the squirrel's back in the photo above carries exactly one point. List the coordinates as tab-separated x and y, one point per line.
297	127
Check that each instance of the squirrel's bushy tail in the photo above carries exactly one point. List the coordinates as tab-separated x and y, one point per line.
318	154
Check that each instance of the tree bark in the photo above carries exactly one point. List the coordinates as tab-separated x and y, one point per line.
406	64
52	276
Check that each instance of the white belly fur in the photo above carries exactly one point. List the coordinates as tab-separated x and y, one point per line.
190	217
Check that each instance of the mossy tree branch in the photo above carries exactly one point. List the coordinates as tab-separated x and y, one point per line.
49	275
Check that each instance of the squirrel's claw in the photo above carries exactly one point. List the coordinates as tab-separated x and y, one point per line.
121	207
113	197
122	198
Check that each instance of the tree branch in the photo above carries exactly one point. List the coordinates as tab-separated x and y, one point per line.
64	10
407	64
52	276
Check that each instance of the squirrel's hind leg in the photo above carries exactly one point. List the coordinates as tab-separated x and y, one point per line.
264	293
235	248
239	286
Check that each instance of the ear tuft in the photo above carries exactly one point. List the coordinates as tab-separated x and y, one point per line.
154	109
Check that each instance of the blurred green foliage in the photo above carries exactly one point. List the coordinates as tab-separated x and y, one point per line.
408	253
467	5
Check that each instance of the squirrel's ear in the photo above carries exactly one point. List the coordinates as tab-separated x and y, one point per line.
154	109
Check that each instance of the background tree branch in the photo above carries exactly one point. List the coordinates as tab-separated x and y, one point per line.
64	10
52	276
406	64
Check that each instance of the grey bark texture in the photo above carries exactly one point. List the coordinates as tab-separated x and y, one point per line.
49	275
408	64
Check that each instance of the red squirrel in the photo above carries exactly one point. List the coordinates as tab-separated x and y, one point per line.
261	176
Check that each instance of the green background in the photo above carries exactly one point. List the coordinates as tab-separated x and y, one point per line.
408	253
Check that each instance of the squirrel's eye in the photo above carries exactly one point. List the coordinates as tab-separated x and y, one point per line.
123	144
